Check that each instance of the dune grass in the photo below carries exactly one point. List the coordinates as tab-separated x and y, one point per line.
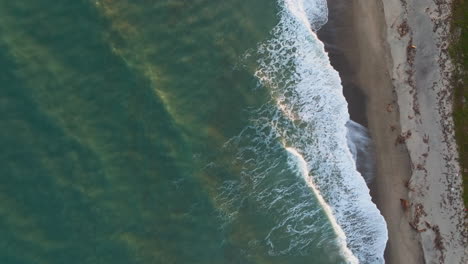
459	53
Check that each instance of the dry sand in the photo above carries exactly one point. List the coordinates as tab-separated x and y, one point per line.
394	52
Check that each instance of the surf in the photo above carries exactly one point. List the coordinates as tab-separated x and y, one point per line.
301	164
307	91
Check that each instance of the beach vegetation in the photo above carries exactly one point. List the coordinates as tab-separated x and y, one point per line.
459	54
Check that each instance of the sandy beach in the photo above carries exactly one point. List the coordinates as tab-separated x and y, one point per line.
392	58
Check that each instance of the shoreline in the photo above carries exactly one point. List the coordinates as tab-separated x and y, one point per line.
384	52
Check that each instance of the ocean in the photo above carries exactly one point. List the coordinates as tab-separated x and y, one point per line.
177	131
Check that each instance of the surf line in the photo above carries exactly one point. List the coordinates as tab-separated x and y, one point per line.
303	169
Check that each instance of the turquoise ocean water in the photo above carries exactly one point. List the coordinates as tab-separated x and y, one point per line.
176	131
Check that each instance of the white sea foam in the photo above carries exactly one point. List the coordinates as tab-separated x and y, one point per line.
308	92
361	147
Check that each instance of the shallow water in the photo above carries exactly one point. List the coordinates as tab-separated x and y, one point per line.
175	131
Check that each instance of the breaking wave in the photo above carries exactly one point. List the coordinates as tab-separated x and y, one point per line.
307	118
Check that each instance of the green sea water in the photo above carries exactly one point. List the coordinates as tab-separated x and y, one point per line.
117	121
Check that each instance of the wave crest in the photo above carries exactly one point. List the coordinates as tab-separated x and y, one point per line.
305	87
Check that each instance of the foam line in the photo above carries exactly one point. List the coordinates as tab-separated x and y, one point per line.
304	171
